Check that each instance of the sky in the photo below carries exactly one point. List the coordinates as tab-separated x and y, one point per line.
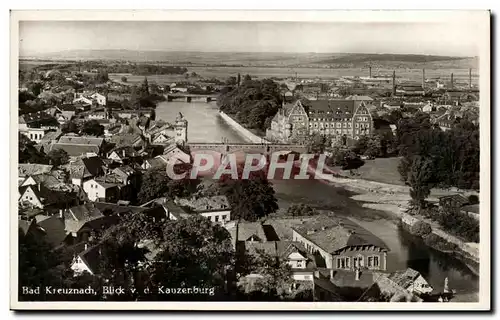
41	37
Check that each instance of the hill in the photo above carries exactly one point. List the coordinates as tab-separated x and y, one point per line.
269	59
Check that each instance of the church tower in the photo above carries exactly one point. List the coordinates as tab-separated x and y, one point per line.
181	126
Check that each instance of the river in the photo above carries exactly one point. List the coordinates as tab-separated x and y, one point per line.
205	125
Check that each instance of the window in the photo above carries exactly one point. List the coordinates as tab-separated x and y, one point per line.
370	262
357	125
376	262
216	218
224	217
357	131
350	125
343	263
345	124
326	125
31	198
299	264
367	125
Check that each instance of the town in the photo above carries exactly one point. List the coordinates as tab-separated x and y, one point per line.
98	208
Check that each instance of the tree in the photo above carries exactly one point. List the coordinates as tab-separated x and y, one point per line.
93	128
250	199
421	229
317	143
193	253
58	157
70	126
274	275
299	210
124	79
420	178
154	184
28	153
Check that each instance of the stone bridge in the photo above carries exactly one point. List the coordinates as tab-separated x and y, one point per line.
188	97
261	148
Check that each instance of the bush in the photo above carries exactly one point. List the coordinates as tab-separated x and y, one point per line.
301	210
124	79
421	229
473	199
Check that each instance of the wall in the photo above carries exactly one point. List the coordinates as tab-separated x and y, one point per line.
213	214
312	247
249	136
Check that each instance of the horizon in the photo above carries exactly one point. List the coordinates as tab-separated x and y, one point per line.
434	38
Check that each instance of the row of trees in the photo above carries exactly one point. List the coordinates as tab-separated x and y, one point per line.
254	102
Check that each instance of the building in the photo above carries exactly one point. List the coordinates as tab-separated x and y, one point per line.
412	281
341	244
215	208
181	127
101	191
349	119
35	134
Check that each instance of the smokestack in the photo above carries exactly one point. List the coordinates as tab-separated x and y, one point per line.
357	274
370	72
394	83
470	78
423	78
452	80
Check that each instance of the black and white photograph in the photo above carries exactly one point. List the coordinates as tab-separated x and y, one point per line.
234	161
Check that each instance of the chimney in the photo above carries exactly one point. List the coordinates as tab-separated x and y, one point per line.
331	274
123	153
452	81
470	78
423	78
86	246
357	274
370	72
61	213
394	83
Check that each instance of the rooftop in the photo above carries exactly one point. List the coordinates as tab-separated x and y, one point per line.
335	233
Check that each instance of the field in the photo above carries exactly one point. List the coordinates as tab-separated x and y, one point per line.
383	170
460	75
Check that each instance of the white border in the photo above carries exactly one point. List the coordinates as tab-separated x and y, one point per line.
476	17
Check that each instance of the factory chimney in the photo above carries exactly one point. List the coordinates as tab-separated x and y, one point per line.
370	71
470	78
423	78
452	81
393	83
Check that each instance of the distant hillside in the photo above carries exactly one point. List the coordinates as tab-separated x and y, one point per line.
269	59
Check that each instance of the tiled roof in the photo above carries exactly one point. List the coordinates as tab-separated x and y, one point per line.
332	234
206	203
28	169
85	140
471	208
333	109
404	278
74	150
248	229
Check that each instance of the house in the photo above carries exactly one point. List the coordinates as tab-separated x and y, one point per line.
53	228
472	210
428	107
393	105
162	138
127	175
355	97
53	183
124	155
445	121
453	201
341	244
41	197
35	134
129	114
98	190
155	162
412	281
99	98
215	208
77	146
173	154
84	169
87	260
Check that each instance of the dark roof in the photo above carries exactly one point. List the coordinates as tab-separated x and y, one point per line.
93	165
91	257
455	197
471	208
333	109
335	233
75	150
404	278
54	229
25	226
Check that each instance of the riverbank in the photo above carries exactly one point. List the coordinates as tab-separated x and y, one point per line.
394	200
244	132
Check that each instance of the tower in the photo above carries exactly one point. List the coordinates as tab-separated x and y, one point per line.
452	84
180	126
370	72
